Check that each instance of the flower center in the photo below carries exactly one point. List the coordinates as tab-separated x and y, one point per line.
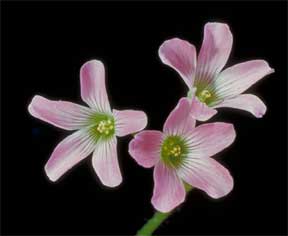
102	126
173	150
105	127
204	95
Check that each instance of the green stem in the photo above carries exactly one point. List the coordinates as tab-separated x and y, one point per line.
157	219
153	223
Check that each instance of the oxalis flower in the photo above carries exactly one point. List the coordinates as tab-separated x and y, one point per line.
216	88
97	127
181	154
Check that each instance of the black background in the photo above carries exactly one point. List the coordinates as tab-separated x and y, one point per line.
43	47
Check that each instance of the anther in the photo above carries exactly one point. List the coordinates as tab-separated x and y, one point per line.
204	95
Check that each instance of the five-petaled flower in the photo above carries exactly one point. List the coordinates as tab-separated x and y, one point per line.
181	154
97	127
216	88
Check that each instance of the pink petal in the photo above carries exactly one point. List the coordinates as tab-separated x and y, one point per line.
200	111
145	147
214	53
207	175
68	153
238	78
65	115
93	89
129	121
105	163
180	120
168	191
181	56
208	139
247	102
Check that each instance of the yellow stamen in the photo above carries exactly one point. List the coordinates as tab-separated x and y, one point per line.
204	95
105	126
175	151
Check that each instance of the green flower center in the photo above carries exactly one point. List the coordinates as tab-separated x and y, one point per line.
204	95
173	150
102	126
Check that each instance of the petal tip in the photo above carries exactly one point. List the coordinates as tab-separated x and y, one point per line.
93	63
229	129
51	176
270	70
132	150
90	67
165	208
129	121
160	209
110	182
264	65
172	41
218	25
181	56
131	147
144	148
215	23
34	102
261	113
260	110
221	34
233	131
30	109
226	191
144	120
113	184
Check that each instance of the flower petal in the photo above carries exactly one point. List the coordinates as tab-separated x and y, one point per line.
93	89
200	111
65	115
145	147
238	78
168	191
105	163
68	153
180	121
207	175
214	53
209	139
129	121
247	102
181	56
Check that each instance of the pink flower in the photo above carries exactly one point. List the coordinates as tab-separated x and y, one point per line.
216	88
181	153
97	127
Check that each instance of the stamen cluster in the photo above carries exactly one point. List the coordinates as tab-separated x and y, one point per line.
173	150
204	95
105	127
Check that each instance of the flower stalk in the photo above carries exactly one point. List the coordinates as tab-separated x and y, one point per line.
157	219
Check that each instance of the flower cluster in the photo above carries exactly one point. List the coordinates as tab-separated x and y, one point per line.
181	153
